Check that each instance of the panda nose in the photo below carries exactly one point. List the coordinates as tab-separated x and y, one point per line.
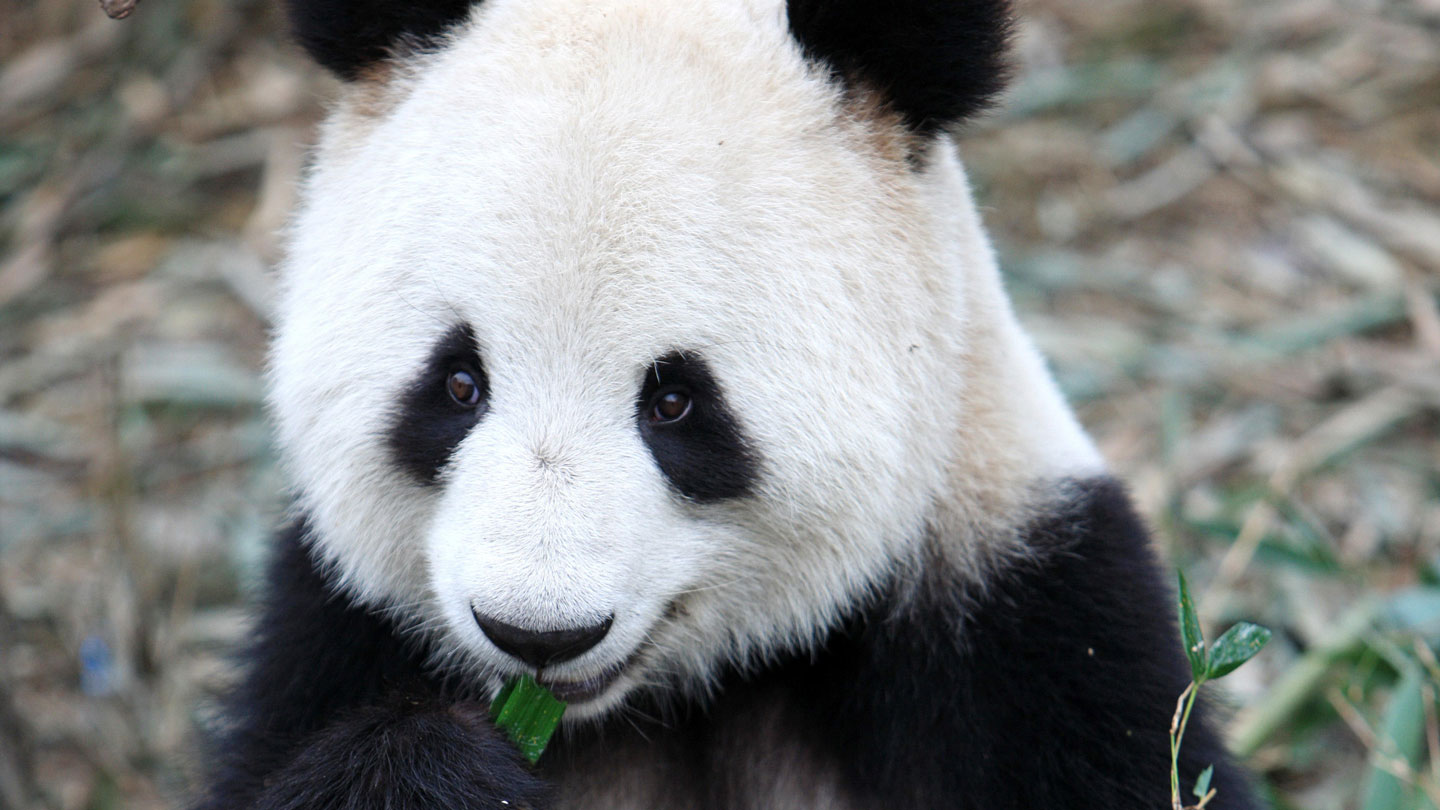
541	648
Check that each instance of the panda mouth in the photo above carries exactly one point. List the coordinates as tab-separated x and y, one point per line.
582	690
585	689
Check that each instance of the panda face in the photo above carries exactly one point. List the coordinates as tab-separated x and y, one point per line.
622	315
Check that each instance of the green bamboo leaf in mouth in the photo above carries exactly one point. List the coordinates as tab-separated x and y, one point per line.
528	714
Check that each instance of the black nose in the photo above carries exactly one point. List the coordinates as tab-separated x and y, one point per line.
540	648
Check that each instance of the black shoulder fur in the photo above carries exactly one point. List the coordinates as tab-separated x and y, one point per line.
1054	688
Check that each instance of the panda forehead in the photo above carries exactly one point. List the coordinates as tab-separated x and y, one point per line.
562	47
634	175
615	181
555	91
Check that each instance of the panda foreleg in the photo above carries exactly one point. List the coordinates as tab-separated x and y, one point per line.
402	756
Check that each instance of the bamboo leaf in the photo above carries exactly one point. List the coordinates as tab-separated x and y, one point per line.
1401	737
1202	782
1190	632
1234	647
528	714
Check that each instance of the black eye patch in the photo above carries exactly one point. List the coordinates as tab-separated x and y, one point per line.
702	450
440	406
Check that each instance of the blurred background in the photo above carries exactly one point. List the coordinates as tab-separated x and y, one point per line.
1221	218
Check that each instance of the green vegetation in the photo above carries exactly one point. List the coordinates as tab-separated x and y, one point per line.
528	714
1234	647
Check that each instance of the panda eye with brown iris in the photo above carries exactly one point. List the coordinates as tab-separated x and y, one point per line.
463	389
669	406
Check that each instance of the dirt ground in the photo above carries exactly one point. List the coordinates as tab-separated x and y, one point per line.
1220	218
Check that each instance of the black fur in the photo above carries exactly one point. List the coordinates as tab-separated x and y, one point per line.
336	711
704	455
1056	692
347	36
1053	688
401	756
430	424
937	62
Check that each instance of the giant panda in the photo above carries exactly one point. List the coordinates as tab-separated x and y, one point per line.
655	348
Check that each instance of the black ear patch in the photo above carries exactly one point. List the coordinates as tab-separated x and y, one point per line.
936	62
347	36
430	422
704	454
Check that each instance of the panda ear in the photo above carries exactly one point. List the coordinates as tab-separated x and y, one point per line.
935	62
348	36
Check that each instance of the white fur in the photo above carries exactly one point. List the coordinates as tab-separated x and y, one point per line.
589	186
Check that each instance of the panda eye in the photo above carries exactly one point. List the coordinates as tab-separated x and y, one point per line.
669	406
695	441
463	389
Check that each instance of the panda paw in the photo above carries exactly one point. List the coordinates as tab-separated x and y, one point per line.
408	757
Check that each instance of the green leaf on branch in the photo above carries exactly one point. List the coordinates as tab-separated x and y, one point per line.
1234	647
1190	632
1202	782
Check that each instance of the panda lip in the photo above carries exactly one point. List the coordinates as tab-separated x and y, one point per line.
584	689
579	691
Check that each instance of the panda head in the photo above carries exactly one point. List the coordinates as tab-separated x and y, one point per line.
629	339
